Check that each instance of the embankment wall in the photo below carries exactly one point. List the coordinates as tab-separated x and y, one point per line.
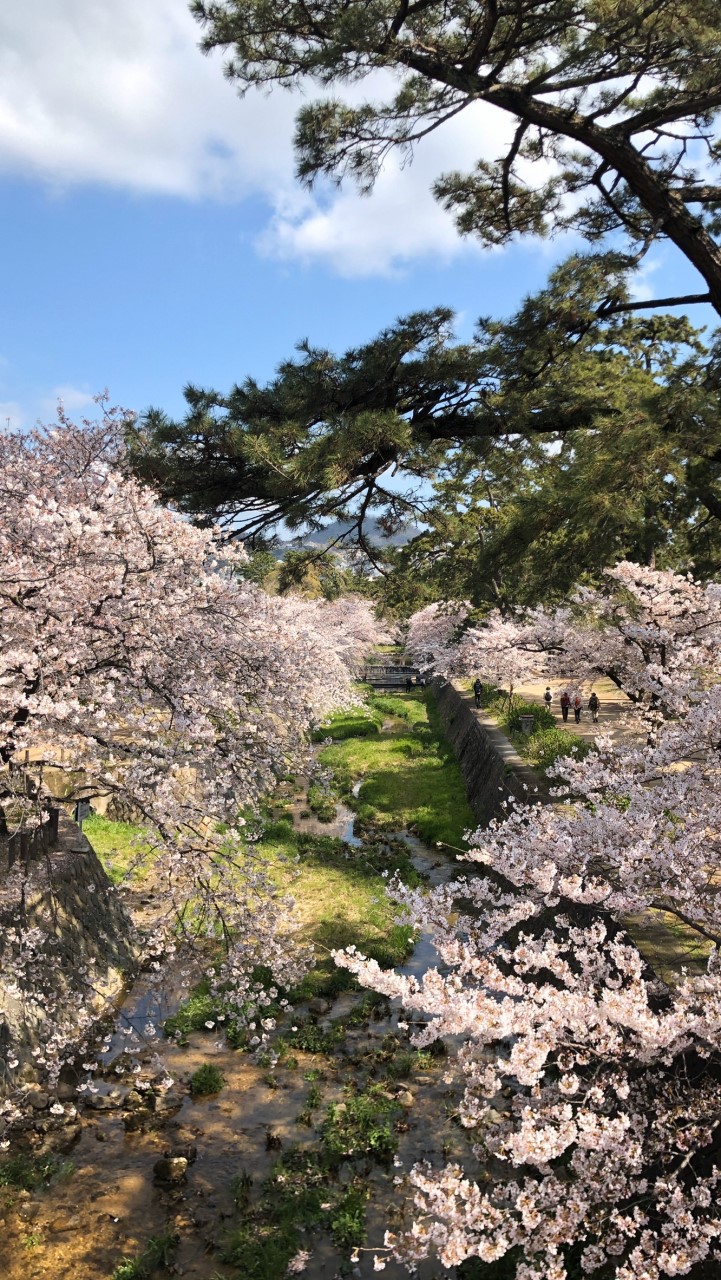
65	918
491	767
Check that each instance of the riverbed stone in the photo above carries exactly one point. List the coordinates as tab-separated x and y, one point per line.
319	1005
64	1222
170	1170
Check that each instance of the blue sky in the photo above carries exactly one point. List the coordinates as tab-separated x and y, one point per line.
153	232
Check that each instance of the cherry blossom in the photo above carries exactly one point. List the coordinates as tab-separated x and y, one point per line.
591	1089
138	669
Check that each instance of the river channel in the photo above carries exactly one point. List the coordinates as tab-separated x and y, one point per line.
110	1204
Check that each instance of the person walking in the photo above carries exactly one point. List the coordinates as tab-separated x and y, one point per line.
577	708
477	691
409	684
548	697
565	704
594	707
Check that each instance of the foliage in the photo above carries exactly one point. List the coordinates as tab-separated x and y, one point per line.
206	1079
547	746
558	441
604	103
361	1125
158	1252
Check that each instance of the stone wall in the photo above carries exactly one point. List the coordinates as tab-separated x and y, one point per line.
82	945
491	767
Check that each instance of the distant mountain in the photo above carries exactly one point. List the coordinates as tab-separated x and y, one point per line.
322	537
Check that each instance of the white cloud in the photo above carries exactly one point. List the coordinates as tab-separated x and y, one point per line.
119	94
400	222
92	91
73	399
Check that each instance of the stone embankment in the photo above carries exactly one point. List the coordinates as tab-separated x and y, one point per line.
492	769
76	938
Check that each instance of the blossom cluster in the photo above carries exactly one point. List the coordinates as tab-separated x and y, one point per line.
140	671
591	1089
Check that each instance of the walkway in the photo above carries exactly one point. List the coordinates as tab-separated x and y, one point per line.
615	717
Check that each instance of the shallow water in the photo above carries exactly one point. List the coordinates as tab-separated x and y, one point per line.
110	1206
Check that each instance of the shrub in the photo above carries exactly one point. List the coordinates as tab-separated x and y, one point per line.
544	718
206	1080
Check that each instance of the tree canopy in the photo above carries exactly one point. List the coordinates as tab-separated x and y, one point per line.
612	106
551	444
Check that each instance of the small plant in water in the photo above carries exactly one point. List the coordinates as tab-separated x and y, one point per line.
158	1252
207	1079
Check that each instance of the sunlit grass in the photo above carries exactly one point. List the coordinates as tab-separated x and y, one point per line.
119	846
410	777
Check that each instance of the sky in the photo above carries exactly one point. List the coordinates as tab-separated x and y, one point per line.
153	232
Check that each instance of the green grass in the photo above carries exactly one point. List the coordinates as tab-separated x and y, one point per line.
360	1126
119	846
23	1172
410	775
206	1080
322	802
406	706
361	722
341	899
158	1252
302	1193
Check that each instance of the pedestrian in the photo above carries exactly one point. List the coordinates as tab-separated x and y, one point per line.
565	704
548	697
594	707
409	683
577	708
477	691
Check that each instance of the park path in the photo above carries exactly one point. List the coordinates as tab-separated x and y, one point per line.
615	717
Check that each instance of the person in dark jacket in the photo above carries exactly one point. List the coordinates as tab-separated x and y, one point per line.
477	691
594	707
565	704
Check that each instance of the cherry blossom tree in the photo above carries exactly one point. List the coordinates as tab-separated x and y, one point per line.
137	666
431	637
591	1089
647	630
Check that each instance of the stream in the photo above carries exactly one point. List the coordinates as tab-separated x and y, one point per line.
106	1210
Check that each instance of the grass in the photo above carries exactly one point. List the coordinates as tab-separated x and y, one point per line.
303	1194
119	846
28	1173
158	1252
410	775
341	898
362	722
360	1126
410	778
206	1080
